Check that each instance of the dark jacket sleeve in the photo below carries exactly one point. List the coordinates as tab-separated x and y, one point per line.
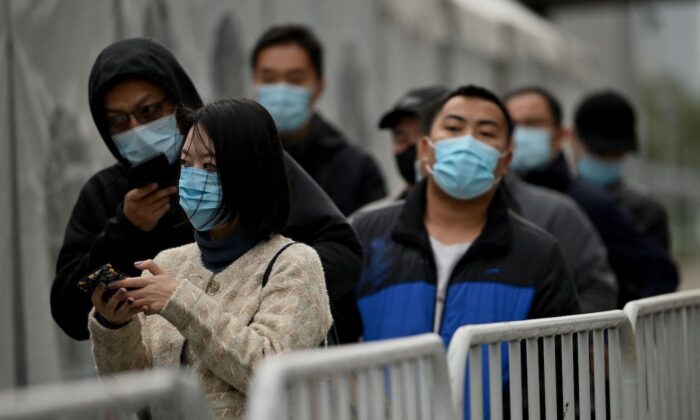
316	221
95	235
556	294
595	281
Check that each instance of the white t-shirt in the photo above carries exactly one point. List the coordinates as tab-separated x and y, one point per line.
446	258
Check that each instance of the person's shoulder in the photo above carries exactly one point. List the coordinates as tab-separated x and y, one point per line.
176	254
382	216
288	251
636	197
331	138
106	182
528	236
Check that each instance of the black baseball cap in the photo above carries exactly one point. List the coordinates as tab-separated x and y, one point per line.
606	122
413	103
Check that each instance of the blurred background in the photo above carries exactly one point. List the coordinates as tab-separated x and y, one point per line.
375	51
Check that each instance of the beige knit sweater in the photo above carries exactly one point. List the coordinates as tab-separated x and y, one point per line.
228	323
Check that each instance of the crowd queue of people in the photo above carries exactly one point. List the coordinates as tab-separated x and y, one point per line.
268	231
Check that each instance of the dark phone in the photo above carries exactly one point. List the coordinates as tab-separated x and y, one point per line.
105	274
155	169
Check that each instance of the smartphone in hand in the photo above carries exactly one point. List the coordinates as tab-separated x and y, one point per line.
155	169
105	274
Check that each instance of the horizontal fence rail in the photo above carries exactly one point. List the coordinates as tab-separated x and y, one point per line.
403	378
546	368
667	332
164	394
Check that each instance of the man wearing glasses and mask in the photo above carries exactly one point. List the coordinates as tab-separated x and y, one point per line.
137	90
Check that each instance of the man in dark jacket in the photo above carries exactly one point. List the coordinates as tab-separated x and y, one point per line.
605	132
287	64
641	266
114	222
453	253
553	212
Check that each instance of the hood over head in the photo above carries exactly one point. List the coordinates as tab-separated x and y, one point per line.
137	58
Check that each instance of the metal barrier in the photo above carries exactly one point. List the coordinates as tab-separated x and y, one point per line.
166	394
667	332
403	378
558	342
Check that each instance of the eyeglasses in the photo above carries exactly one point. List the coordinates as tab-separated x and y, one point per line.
147	113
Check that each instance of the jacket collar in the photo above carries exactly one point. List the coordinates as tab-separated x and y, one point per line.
556	176
495	239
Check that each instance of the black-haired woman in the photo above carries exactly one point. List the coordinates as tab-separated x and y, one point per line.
204	305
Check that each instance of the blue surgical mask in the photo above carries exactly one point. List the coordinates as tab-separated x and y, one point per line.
200	197
464	167
599	172
533	148
146	140
290	106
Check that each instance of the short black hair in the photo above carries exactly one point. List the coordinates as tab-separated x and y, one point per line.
250	164
552	102
469	91
291	34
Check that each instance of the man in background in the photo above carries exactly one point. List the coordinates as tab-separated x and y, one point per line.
605	135
287	64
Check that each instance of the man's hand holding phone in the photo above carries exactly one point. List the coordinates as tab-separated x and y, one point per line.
145	206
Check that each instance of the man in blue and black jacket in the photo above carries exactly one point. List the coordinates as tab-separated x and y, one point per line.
452	253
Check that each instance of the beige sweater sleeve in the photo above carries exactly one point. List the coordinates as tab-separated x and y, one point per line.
294	313
120	349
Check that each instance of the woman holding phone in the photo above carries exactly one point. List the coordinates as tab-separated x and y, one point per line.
242	291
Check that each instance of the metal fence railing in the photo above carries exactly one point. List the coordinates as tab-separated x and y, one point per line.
402	378
563	357
160	394
667	333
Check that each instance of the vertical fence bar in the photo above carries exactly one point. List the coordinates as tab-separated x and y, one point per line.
642	356
567	372
397	394
599	373
615	373
343	390
686	368
652	375
662	352
516	383
584	384
361	395
377	392
409	374
476	378
533	378
673	364
324	398
550	379
495	382
426	384
303	399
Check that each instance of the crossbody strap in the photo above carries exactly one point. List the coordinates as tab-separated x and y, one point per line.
268	270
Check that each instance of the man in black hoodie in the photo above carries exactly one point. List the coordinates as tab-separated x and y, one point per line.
287	64
137	89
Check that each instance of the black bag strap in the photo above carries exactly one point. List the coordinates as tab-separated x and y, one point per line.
268	270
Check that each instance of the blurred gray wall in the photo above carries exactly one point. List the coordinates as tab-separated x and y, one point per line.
375	51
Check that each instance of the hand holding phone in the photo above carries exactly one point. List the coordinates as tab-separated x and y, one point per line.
103	275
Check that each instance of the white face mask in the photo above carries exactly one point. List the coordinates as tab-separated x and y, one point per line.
533	148
146	140
464	166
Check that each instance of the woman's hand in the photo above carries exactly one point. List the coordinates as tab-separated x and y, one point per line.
118	310
149	294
